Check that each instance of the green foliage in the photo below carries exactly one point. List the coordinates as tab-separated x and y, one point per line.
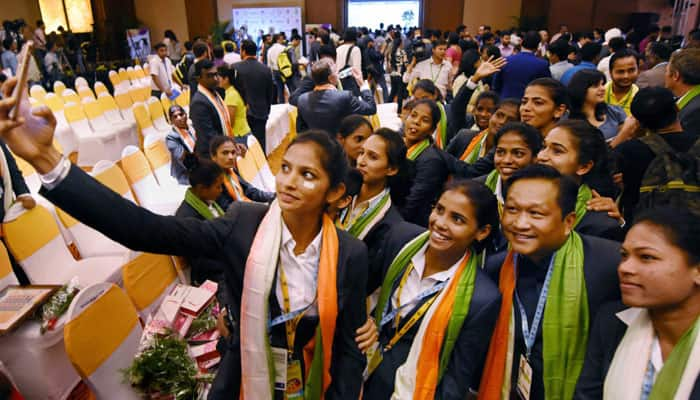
165	368
204	322
218	30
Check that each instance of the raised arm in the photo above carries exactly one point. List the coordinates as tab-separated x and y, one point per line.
94	204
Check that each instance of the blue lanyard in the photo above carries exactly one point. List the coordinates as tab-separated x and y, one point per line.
389	317
648	381
530	333
287	317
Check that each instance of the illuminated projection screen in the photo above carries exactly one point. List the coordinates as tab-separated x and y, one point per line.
282	19
370	13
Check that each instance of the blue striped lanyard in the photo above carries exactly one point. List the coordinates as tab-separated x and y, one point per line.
648	381
426	293
530	333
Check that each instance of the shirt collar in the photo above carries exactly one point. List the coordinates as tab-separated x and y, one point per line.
289	243
419	266
372	201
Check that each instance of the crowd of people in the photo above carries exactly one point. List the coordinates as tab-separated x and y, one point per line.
531	229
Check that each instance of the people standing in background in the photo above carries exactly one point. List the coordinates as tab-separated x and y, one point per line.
614	44
544	44
522	68
624	70
257	88
218	53
209	115
505	47
349	46
375	68
201	52
230	56
656	58
558	59
40	36
436	69
587	96
653	36
590	53
683	79
273	53
454	52
173	46
563	30
9	55
161	72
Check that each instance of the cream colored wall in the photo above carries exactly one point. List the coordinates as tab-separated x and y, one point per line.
224	7
159	15
497	13
25	9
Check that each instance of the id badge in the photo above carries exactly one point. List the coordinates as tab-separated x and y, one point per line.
374	358
279	357
295	383
524	378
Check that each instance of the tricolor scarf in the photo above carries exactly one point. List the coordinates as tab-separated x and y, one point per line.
441	131
471	153
584	194
495	183
360	227
200	206
188	137
221	110
430	351
676	378
258	371
564	328
686	98
233	186
417	149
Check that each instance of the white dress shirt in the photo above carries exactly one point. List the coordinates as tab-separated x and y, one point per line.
272	55
416	283
301	272
428	69
232	58
161	70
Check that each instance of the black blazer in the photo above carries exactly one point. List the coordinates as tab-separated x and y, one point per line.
227	239
376	245
203	268
606	334
460	169
428	176
206	122
460	142
466	363
305	85
19	186
225	200
601	258
324	109
457	113
257	87
598	223
690	116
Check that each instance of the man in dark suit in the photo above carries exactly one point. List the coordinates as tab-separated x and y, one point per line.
200	51
539	215
325	106
307	84
521	69
258	89
204	114
18	188
683	78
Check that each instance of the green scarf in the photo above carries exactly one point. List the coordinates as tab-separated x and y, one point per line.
492	180
441	139
669	377
584	194
465	290
416	150
368	217
200	206
565	325
685	99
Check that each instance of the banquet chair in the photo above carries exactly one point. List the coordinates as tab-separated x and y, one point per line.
34	239
89	242
101	338
109	174
85	92
124	76
155	110
148	278
64	134
166	104
264	179
125	133
69	95
159	199
7	276
59	87
38	92
144	121
124	103
93	145
100	88
81	82
158	156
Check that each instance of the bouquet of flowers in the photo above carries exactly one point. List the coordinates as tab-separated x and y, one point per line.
164	369
57	305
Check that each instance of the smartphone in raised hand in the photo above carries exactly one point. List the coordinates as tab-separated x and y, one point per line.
22	70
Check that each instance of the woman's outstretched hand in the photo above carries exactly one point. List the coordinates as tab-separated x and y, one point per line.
31	137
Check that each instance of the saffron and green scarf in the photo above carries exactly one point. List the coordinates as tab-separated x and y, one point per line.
417	149
565	327
441	133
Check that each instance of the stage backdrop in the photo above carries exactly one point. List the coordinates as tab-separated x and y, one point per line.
282	19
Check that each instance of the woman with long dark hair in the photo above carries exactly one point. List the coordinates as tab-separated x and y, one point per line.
587	102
